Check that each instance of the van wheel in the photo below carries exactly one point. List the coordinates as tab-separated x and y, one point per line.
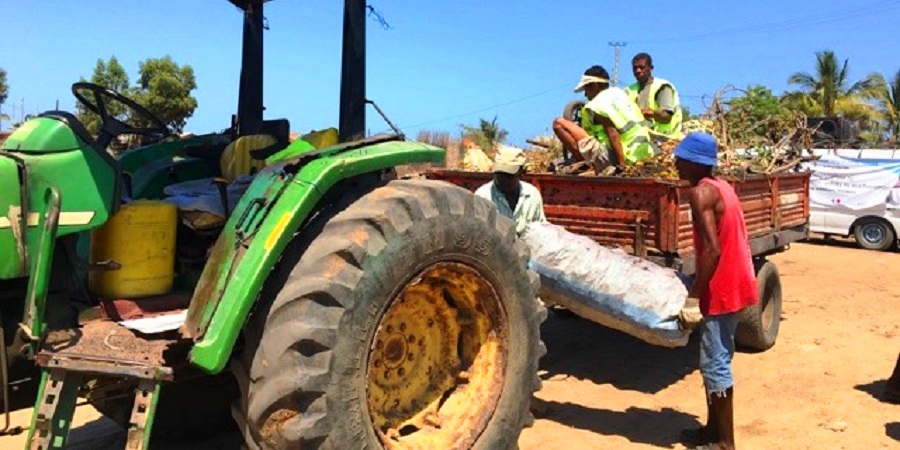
874	234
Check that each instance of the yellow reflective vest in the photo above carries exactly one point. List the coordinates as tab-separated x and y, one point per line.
625	115
673	128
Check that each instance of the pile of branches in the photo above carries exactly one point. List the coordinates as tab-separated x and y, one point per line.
545	154
661	166
769	145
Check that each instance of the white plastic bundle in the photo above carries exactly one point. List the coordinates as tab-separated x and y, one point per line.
607	286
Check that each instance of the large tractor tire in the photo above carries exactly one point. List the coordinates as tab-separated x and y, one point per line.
409	321
758	325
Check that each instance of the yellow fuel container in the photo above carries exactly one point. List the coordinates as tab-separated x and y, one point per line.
140	237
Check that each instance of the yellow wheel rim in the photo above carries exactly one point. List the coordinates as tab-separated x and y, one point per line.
436	365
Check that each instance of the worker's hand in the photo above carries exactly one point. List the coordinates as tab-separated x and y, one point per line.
647	112
690	315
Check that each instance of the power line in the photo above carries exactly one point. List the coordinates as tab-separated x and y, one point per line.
488	108
378	17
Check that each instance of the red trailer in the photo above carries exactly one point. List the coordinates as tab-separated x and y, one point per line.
652	219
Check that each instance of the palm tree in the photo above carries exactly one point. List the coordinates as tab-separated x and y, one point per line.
887	98
825	90
486	134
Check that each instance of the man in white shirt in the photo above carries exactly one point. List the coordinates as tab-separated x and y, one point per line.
514	198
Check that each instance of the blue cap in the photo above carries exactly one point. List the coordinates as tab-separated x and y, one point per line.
700	148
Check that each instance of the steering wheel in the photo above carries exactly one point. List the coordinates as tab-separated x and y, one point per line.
110	126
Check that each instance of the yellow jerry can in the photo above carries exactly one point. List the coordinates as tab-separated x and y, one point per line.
140	237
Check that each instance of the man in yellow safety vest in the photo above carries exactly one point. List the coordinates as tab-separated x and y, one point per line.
612	131
656	97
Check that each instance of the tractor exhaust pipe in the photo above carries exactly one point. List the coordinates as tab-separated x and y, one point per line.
250	100
352	122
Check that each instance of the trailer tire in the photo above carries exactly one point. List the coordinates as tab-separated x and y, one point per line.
572	111
874	234
758	325
416	284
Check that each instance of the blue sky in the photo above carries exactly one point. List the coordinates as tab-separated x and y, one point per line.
443	63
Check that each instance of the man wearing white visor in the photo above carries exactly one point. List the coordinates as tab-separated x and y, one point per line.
612	131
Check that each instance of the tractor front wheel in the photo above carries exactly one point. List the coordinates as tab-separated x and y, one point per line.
409	321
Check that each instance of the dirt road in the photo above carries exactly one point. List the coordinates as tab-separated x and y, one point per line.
818	388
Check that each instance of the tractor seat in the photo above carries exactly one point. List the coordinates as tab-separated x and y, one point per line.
238	158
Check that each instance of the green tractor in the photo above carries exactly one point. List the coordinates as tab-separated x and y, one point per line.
337	307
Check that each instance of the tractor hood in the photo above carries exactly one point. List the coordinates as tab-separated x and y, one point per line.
43	135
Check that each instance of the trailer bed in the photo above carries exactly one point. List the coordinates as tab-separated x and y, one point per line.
651	218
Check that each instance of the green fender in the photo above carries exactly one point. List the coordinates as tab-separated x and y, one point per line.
275	205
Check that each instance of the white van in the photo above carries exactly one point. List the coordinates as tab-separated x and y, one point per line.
856	193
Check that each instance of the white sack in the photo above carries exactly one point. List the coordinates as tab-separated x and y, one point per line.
607	286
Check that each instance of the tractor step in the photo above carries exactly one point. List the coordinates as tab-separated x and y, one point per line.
107	348
53	414
100	348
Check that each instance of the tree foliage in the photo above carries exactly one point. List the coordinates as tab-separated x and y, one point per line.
887	99
111	75
758	116
163	87
828	91
4	90
759	102
486	134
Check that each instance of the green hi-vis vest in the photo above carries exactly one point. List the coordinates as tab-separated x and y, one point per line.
625	115
673	128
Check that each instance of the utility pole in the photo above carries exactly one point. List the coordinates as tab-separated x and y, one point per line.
616	45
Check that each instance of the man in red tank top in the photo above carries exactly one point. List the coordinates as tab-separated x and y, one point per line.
724	283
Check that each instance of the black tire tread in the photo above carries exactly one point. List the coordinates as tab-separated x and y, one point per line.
290	346
572	110
750	333
890	240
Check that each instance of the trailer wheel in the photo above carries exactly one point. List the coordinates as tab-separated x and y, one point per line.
572	111
410	321
758	325
874	234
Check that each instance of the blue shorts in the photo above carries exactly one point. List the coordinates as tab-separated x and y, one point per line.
716	352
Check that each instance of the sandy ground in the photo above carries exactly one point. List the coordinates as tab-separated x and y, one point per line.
818	388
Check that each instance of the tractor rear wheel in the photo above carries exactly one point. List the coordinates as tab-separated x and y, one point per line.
409	321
